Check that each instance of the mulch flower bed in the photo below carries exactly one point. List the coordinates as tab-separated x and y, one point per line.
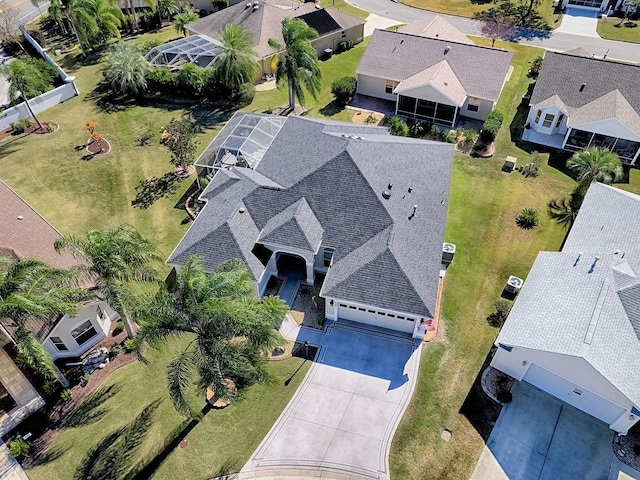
308	306
99	148
627	448
494	381
32	129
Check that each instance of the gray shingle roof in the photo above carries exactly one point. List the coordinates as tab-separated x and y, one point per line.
563	74
437	27
266	21
572	305
397	56
331	190
611	105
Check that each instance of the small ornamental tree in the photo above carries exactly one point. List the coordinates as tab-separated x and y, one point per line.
491	126
527	219
179	138
498	28
344	89
91	127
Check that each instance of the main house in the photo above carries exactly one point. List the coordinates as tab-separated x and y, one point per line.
26	234
433	79
579	101
354	203
574	330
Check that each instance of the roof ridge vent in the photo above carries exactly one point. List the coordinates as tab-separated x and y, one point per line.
582	86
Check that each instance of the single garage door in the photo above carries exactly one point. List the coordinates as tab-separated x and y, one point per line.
573	394
375	317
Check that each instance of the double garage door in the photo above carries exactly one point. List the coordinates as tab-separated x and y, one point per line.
576	395
375	317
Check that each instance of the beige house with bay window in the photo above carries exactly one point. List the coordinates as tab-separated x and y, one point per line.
580	101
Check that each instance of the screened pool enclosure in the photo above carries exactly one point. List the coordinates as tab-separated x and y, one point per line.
196	49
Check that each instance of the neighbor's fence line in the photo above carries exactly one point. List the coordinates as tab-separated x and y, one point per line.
46	100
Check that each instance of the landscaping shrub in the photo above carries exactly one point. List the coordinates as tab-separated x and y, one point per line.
19	448
499	316
21	126
344	89
66	395
161	80
50	387
130	344
504	396
434	132
371	119
398	127
534	70
245	95
527	219
84	379
204	181
115	349
149	44
491	126
118	328
467	137
418	128
448	136
191	80
148	21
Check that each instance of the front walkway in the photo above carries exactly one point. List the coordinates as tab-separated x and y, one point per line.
10	469
539	437
580	21
341	421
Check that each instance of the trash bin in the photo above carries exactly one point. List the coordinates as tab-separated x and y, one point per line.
328	52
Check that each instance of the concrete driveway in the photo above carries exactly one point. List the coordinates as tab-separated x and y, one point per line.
340	422
579	21
539	437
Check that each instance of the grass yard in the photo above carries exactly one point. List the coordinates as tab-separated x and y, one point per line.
483	205
221	443
345	7
611	29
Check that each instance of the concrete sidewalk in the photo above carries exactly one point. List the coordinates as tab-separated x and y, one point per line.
341	421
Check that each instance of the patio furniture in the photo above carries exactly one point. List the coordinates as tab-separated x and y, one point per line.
509	164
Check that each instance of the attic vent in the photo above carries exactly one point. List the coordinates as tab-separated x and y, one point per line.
386	194
241	210
582	86
446	49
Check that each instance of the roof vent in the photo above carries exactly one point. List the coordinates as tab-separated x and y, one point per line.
446	49
241	210
448	251
248	5
256	7
409	189
582	86
514	284
386	194
446	84
390	186
20	217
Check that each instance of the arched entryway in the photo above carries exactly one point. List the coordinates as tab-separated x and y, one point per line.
290	265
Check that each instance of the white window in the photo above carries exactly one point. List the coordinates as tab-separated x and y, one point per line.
389	86
538	113
560	118
327	255
83	332
548	120
58	343
473	105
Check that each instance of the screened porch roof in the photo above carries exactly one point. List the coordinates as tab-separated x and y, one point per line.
197	49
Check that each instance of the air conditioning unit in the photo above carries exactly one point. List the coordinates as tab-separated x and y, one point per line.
448	251
514	284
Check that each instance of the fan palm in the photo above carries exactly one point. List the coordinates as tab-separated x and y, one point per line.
595	164
229	327
298	62
167	8
56	13
108	17
126	69
182	19
30	288
115	258
237	63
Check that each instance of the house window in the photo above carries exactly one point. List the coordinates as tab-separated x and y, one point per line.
389	86
560	118
344	34
83	332
473	105
327	255
58	343
538	113
548	120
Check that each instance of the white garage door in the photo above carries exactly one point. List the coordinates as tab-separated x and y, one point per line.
573	394
375	317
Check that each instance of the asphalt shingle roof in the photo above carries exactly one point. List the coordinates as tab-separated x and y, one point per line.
437	27
397	56
573	303
331	189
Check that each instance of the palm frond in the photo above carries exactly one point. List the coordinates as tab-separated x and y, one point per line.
179	374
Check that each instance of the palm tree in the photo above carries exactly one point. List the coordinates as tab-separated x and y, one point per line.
56	13
595	164
167	8
126	69
182	19
30	288
82	21
109	17
237	63
298	63
229	327
114	259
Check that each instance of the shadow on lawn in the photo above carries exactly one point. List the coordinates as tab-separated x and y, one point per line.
151	190
113	457
89	410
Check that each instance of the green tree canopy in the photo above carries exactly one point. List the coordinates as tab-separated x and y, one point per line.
595	164
229	327
125	70
298	62
181	20
237	63
179	138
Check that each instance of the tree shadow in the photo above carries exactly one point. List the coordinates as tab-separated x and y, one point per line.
88	411
52	453
73	62
108	102
480	410
524	33
151	190
331	108
113	457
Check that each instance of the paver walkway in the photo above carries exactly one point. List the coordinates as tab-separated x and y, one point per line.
340	422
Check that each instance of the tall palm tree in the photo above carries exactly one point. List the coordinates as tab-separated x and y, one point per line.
56	13
115	258
126	69
182	19
298	63
82	21
229	327
595	164
30	288
167	8
237	63
109	18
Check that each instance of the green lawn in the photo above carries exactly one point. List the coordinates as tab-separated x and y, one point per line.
345	7
611	29
221	443
483	204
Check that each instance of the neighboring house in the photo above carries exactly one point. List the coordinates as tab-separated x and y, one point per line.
438	28
26	234
580	101
263	20
595	5
574	330
354	203
433	79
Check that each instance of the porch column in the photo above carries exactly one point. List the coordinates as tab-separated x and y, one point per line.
397	100
310	273
566	137
455	114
